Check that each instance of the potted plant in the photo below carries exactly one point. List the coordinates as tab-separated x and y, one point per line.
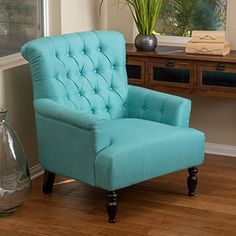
145	14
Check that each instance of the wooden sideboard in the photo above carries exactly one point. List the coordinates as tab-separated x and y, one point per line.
170	69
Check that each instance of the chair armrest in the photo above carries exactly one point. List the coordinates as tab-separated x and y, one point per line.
59	116
53	110
152	105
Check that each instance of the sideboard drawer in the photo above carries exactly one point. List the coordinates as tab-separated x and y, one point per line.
136	71
171	73
216	78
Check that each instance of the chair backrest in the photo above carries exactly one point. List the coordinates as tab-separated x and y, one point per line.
84	71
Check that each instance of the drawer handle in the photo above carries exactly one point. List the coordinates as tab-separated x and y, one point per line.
221	67
170	63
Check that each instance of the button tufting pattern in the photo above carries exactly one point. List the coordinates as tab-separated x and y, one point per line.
82	62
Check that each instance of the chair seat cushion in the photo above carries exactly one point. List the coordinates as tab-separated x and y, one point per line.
142	149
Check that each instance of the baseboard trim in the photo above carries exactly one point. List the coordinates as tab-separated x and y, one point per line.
36	171
220	149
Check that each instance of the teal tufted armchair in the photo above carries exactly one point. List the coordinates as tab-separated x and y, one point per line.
93	127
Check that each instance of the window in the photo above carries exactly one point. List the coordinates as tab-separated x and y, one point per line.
180	17
20	21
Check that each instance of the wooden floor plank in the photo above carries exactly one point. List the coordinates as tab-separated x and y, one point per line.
156	207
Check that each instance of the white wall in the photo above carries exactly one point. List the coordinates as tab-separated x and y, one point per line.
120	19
216	117
16	96
80	15
54	16
231	19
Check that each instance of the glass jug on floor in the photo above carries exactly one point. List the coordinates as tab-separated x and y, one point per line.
15	182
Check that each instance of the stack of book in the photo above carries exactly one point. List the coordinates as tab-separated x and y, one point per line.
208	42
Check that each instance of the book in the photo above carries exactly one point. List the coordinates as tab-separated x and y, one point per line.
220	49
208	36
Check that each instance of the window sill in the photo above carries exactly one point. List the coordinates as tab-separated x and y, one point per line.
172	40
11	61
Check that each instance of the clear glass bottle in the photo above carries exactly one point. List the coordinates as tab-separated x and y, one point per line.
15	182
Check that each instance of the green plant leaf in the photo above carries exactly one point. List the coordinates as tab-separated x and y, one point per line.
145	13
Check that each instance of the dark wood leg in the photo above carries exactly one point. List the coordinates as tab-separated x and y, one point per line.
48	182
111	206
192	180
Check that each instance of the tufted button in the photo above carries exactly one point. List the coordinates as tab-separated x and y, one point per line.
125	105
96	71
144	108
92	111
99	49
113	67
110	88
83	52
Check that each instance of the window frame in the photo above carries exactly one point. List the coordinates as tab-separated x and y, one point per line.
167	40
13	60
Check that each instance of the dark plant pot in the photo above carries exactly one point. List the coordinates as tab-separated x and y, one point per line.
145	42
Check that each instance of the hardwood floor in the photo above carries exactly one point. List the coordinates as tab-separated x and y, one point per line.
157	207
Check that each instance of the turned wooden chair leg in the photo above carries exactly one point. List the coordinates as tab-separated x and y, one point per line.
192	180
48	182
111	206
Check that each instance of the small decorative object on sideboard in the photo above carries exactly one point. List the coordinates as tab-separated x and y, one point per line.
208	42
15	182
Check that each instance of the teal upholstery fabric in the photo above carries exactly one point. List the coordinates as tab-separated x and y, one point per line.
84	71
92	126
159	107
68	140
166	150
